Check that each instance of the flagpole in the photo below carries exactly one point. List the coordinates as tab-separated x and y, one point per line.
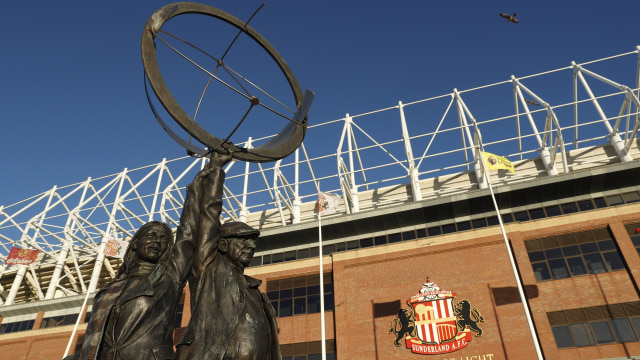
322	337
514	268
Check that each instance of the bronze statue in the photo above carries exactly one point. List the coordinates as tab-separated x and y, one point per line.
230	317
133	316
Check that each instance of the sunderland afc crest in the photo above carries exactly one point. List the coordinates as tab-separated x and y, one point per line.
434	324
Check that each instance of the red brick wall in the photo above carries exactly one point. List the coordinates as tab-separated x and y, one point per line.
473	264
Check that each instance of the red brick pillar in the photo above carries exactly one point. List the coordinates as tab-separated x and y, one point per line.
627	249
38	322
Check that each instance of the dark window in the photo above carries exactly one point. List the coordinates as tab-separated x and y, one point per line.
464	225
394	238
366	242
303	254
569	208
614	200
602	332
631	197
563	337
434	231
380	240
290	255
299	295
600	202
553	210
522	216
408	235
449	228
507	218
479	223
351	245
340	247
585	205
604	325
16	326
421	233
536	214
55	321
276	258
559	257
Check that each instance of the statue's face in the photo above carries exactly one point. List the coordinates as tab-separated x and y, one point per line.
240	250
153	243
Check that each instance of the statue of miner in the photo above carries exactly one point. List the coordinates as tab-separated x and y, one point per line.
230	317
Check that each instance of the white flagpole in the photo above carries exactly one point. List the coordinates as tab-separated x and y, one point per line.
324	346
523	298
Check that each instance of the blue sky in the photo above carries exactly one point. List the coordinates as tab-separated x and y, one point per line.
72	99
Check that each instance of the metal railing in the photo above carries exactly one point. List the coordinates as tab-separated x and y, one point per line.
544	116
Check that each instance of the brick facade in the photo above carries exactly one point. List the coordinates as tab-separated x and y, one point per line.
370	285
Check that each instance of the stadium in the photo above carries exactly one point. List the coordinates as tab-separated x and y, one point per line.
421	219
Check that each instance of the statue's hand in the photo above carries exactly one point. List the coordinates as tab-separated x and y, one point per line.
220	159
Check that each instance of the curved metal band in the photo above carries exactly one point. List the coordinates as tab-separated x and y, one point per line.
283	144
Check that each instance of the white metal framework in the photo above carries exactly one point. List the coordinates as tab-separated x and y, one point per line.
543	116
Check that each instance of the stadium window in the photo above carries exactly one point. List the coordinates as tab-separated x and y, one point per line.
266	259
16	326
553	210
394	238
586	205
449	228
380	240
300	295
492	221
314	251
328	249
340	247
368	242
507	218
575	254
614	200
289	255
631	197
464	225
521	216
434	231
303	254
600	202
55	321
277	258
536	214
597	325
353	244
569	208
479	223
408	235
421	233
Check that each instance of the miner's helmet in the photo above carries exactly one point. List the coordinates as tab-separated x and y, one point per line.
238	229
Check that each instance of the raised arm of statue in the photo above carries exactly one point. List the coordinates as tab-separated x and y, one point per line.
210	206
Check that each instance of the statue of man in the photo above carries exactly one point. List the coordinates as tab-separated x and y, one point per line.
133	316
230	317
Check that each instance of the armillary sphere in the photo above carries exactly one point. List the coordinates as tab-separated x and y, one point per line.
292	111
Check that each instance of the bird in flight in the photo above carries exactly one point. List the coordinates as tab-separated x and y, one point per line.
510	18
532	102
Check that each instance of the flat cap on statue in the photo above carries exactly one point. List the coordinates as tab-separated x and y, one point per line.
238	229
